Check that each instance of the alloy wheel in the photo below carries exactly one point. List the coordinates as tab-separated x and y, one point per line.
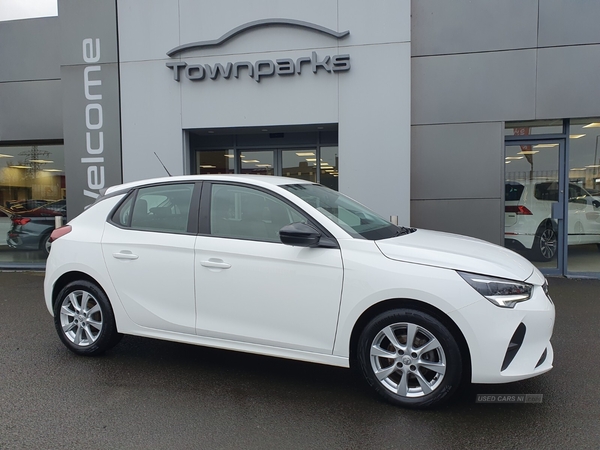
81	318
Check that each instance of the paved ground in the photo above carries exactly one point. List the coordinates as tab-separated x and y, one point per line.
147	394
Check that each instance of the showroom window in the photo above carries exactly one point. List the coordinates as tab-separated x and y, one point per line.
32	201
552	194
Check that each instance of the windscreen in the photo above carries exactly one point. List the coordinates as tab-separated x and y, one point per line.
351	216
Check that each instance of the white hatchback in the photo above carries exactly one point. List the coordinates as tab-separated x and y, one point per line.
289	268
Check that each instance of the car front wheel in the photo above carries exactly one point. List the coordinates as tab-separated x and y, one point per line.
410	358
84	319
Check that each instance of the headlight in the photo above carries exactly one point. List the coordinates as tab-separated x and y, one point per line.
501	292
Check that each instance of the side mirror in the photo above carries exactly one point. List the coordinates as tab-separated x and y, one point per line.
299	234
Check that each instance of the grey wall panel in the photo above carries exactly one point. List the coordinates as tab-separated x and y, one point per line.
480	218
379	22
150	32
567	82
462	26
88	19
457	161
29	49
568	22
31	110
474	87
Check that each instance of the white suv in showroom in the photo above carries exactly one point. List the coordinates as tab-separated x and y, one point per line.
528	226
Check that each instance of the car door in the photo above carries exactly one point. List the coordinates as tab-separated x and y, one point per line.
148	248
252	288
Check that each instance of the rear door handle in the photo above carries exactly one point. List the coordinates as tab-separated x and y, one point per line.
215	264
125	254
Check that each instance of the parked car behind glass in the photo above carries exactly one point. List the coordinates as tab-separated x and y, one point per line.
32	222
528	226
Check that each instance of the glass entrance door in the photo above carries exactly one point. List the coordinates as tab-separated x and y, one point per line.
534	202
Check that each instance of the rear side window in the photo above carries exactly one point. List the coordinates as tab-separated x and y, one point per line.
157	208
512	192
546	191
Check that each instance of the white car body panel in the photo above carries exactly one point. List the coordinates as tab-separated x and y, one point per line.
272	294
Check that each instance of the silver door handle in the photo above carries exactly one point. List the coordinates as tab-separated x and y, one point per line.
217	264
125	255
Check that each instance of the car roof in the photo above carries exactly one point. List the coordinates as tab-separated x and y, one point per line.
258	180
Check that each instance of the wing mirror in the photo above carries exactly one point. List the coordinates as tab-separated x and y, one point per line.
299	234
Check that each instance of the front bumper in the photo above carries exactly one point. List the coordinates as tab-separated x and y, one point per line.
490	329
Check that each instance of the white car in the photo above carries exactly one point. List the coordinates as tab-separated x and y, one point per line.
527	219
284	267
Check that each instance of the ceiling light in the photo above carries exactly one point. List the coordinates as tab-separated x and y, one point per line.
513	157
263	165
20	167
52	170
592	125
305	154
528	152
579	168
207	166
595	165
40	161
545	145
251	161
311	159
229	156
507	162
576	136
6	156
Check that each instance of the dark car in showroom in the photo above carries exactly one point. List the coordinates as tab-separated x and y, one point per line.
32	221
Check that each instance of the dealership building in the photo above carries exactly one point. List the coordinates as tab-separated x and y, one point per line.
473	117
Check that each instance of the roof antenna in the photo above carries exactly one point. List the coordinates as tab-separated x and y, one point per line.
167	170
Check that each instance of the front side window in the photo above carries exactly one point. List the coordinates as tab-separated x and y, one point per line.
158	208
245	213
351	216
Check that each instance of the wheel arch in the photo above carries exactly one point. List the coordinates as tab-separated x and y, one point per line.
69	277
396	303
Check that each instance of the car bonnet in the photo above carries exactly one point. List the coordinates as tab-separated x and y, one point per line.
456	252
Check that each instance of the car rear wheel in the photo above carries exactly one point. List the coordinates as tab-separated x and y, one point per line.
410	358
544	244
84	319
45	244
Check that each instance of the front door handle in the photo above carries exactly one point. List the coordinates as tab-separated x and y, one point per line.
125	254
215	264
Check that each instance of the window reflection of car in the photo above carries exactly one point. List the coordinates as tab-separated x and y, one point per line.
528	224
32	221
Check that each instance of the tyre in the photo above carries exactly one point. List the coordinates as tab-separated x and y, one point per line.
84	319
545	243
410	358
45	244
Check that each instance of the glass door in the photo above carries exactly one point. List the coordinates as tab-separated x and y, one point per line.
257	162
534	202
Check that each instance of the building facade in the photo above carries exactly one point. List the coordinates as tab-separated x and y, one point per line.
471	117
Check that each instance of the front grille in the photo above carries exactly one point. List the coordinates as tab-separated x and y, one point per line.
514	345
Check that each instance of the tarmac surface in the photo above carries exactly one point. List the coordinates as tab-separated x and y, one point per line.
150	394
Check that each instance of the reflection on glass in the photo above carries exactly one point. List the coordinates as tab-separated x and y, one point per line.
531	128
257	162
215	161
300	163
584	196
32	195
531	187
329	167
